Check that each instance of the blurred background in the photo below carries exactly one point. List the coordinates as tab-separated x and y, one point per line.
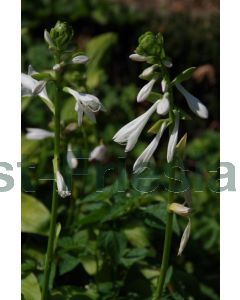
107	31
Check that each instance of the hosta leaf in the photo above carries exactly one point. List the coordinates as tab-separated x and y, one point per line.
35	216
30	288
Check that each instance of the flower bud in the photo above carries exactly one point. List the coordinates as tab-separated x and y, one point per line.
145	91
179	209
185	238
48	39
163	106
80	59
99	154
61	35
61	186
148	72
164	86
137	57
71	158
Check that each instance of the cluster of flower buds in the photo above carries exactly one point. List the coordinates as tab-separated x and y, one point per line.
151	51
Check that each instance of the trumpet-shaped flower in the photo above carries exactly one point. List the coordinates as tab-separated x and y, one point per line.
71	158
194	103
137	57
85	103
31	86
128	135
145	91
38	134
163	106
143	159
173	140
99	154
185	238
61	186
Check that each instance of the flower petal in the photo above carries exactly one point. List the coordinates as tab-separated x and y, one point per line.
129	134
137	57
71	158
38	134
173	140
194	103
143	159
163	106
61	186
185	238
80	59
145	91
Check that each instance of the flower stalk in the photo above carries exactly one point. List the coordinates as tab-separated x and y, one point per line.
52	231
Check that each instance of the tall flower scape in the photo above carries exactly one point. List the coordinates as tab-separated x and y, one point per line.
59	40
151	51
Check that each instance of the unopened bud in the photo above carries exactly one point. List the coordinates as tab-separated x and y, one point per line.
61	35
39	87
179	209
185	238
80	59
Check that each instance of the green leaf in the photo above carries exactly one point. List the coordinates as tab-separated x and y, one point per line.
44	75
183	76
156	126
137	235
68	263
97	51
35	216
30	288
134	255
113	243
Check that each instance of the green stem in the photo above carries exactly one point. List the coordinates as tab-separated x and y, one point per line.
167	243
169	224
52	231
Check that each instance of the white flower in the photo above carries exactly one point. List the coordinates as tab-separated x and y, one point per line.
61	186
129	134
173	140
38	134
148	71
164	85
48	39
31	86
185	238
37	89
85	103
80	59
194	103
163	106
137	57
180	209
99	153
143	159
145	91
71	158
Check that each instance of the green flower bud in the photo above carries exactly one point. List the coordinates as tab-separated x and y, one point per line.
150	44
61	35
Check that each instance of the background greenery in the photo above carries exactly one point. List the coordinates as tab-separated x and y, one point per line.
110	242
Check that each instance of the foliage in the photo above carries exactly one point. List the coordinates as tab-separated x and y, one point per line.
110	244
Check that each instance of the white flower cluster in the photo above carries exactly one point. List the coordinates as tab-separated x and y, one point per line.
128	135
